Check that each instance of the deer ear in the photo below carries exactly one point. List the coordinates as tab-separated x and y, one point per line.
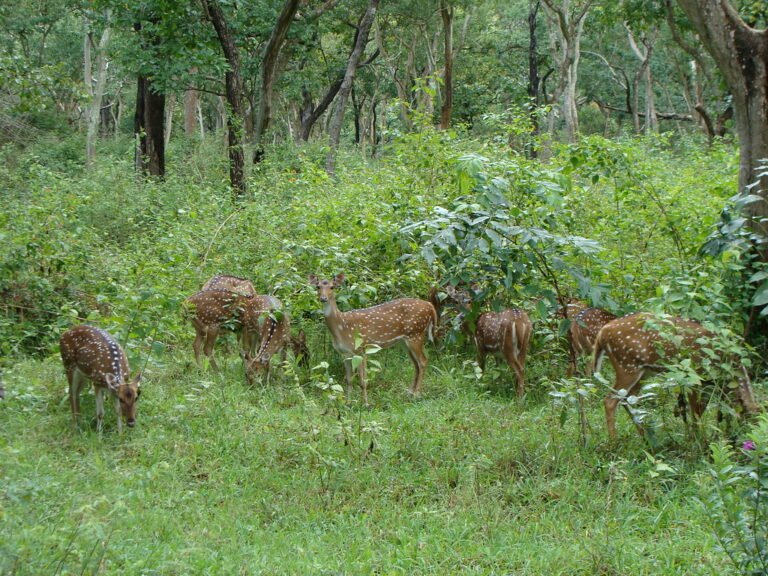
313	280
137	379
111	381
338	280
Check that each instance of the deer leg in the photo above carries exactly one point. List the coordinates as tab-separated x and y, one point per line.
363	384
420	363
199	337
626	382
512	357
119	415
519	374
210	342
99	408
572	357
481	357
75	379
348	376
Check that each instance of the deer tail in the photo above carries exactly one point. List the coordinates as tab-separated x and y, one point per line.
599	353
432	331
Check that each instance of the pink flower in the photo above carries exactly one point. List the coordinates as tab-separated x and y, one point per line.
748	445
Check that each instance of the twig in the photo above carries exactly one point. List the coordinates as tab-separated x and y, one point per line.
210	244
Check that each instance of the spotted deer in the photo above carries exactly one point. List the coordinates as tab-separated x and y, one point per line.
504	334
582	333
275	337
407	320
91	353
640	344
212	311
232	283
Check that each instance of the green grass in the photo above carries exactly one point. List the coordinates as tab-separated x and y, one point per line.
220	478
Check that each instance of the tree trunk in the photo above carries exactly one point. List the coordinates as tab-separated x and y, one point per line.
191	100
311	114
446	110
169	110
644	73
533	73
268	73
234	91
741	54
149	129
148	123
566	27
403	93
96	92
334	131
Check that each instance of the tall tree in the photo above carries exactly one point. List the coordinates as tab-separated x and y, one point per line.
566	19
364	28
533	70
149	119
645	74
234	90
269	71
446	111
741	54
95	82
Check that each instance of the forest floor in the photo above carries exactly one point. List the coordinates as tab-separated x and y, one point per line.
221	478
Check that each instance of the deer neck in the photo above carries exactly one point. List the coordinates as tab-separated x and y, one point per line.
334	319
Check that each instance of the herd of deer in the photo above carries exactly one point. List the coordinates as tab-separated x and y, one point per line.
634	344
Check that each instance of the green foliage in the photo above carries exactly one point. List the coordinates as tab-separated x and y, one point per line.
736	500
507	228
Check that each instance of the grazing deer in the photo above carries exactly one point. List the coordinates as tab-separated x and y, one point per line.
232	283
506	333
636	347
89	352
406	320
210	311
275	336
570	309
582	334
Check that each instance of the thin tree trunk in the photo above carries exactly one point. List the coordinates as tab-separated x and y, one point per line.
446	110
191	99
169	110
533	74
643	73
334	131
234	90
268	74
95	92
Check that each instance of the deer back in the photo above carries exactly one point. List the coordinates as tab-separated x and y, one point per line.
388	323
219	307
493	329
235	284
641	341
585	326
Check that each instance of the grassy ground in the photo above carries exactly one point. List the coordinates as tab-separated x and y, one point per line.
219	478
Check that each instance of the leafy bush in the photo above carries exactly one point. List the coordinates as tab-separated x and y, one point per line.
736	500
